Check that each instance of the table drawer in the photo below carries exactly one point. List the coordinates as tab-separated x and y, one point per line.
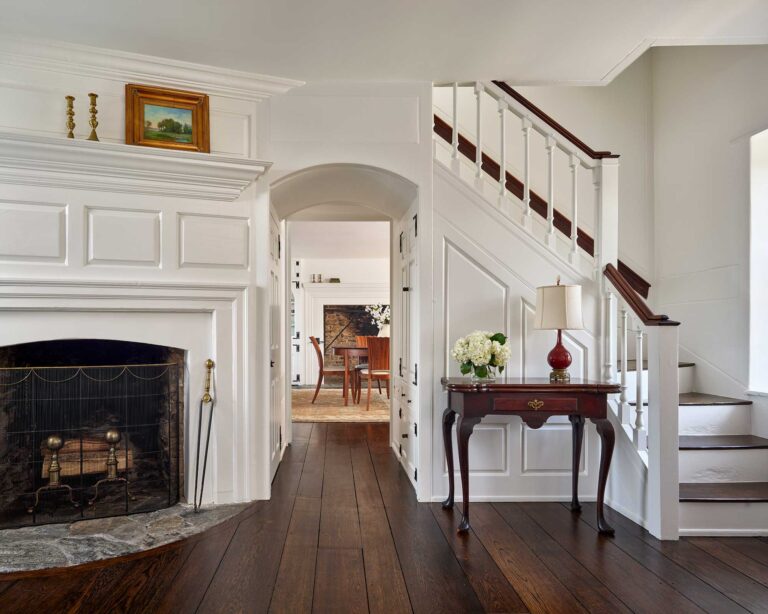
562	405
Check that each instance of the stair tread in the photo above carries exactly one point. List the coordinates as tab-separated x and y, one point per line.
722	442
702	398
632	365
724	491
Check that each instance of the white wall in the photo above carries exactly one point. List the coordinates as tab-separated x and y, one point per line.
758	288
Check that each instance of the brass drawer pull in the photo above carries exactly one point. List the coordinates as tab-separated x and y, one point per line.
535	404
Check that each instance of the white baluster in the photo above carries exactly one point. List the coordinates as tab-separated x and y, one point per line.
609	346
574	164
503	150
638	432
551	238
526	174
479	151
455	135
624	406
598	264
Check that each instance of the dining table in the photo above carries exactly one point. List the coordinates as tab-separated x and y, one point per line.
349	351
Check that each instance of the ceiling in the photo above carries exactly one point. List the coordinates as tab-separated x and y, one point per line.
339	240
523	41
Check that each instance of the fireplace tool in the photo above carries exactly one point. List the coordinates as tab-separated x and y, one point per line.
209	400
54	443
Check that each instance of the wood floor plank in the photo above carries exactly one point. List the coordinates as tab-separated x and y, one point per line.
491	587
638	588
435	580
590	592
302	430
749	546
742	563
50	592
339	522
387	592
311	483
682	580
538	587
340	581
186	591
246	576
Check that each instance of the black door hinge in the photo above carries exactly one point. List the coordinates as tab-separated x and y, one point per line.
401	242
415	475
401	449
279	246
400	367
416	225
416	374
400	412
280	435
406	289
416	429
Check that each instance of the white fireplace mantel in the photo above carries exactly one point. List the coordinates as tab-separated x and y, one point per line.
115	167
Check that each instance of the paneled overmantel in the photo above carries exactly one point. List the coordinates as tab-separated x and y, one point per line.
114	167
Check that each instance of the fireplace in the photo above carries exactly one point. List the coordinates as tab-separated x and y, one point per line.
89	428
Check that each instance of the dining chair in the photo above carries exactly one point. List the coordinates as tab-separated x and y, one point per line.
378	365
361	341
322	369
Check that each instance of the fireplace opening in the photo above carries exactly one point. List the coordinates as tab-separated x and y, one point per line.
89	428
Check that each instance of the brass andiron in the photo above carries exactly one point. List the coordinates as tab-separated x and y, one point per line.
93	122
70	117
112	437
54	444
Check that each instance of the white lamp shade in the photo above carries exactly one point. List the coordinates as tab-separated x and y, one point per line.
558	307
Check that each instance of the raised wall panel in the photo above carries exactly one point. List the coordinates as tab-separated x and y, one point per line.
548	449
230	133
213	241
474	299
33	232
123	237
346	119
488	450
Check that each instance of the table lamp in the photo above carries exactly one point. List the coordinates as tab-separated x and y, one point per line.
558	308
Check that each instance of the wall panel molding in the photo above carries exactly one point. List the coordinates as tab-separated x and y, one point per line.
216	241
129	237
32	231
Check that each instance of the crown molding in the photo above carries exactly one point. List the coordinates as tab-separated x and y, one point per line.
115	167
127	67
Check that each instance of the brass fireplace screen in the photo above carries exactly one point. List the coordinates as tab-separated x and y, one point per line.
88	441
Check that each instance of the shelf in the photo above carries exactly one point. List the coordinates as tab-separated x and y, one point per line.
115	167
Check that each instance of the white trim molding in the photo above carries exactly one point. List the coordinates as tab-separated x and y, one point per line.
114	167
125	67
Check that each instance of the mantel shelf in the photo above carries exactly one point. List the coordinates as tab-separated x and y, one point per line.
115	167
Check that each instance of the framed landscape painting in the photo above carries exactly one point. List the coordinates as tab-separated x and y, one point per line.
173	119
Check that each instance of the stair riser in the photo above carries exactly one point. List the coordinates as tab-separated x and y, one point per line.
724	465
714	419
704	518
685	375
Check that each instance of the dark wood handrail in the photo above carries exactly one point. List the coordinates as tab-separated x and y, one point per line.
597	155
538	204
634	301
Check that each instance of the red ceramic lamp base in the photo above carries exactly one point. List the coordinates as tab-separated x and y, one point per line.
559	359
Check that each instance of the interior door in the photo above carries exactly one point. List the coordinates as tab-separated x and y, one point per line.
276	392
408	367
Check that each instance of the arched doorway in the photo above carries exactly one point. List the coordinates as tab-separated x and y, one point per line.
347	192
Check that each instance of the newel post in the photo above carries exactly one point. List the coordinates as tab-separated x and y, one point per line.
663	402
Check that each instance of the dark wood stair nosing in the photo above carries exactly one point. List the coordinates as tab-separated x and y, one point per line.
694	399
722	442
724	492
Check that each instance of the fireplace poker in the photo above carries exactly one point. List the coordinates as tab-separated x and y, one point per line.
210	401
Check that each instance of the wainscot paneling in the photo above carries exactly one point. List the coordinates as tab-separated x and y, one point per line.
487	272
123	237
213	241
33	231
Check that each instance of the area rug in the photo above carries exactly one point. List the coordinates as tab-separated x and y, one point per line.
329	407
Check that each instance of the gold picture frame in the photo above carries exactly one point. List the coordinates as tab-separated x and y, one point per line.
171	119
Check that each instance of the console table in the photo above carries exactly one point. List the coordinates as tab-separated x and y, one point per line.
534	400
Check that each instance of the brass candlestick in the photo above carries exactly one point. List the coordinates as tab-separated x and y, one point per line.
70	116
54	443
113	437
93	122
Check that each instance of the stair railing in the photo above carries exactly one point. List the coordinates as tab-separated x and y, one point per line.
654	432
601	169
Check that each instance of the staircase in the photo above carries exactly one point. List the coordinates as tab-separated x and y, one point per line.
699	469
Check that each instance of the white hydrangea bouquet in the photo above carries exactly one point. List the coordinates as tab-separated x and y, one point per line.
380	314
481	353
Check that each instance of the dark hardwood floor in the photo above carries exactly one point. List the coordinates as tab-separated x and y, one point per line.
344	533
